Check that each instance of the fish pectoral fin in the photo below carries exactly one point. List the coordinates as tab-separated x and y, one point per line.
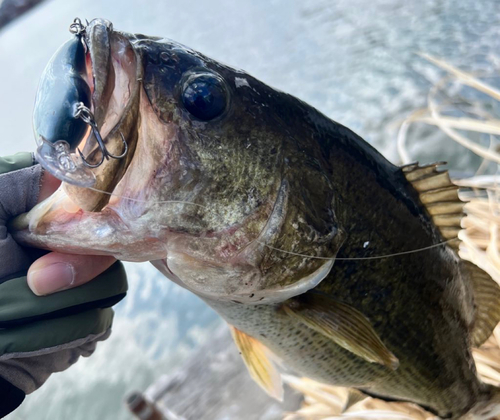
343	324
354	396
487	302
259	365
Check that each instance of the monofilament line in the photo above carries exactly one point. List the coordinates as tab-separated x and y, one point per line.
137	200
298	254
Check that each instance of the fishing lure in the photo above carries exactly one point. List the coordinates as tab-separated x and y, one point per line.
62	114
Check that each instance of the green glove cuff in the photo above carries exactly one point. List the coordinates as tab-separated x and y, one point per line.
47	335
19	305
18	161
31	323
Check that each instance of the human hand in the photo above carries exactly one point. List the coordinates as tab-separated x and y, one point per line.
43	335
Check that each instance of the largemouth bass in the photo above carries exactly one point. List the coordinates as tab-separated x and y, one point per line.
302	236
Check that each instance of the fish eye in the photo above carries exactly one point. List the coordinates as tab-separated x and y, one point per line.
205	96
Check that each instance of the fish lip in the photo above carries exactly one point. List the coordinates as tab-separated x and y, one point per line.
97	40
102	56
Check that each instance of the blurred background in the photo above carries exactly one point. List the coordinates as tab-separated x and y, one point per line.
355	60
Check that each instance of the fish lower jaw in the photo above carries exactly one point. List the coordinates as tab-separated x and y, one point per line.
57	224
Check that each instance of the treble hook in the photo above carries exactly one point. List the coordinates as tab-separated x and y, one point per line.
86	115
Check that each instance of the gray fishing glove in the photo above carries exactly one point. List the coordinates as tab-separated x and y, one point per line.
42	335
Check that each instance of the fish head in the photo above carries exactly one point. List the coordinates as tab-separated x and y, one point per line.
220	189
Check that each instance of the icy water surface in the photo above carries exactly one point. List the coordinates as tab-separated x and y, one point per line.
352	59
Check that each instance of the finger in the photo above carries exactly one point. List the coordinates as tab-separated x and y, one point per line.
55	271
49	184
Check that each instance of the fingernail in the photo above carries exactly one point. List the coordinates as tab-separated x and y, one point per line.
50	279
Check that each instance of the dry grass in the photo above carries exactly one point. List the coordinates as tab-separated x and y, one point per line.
480	237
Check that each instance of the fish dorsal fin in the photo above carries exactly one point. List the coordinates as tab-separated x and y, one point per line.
440	197
261	368
343	324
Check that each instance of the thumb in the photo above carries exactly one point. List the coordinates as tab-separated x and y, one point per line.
55	271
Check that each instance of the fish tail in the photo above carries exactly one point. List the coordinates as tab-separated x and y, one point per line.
487	407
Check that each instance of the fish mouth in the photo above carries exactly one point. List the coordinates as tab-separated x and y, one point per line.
86	110
114	74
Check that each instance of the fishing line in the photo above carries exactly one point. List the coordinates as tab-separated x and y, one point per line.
298	254
413	251
137	200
